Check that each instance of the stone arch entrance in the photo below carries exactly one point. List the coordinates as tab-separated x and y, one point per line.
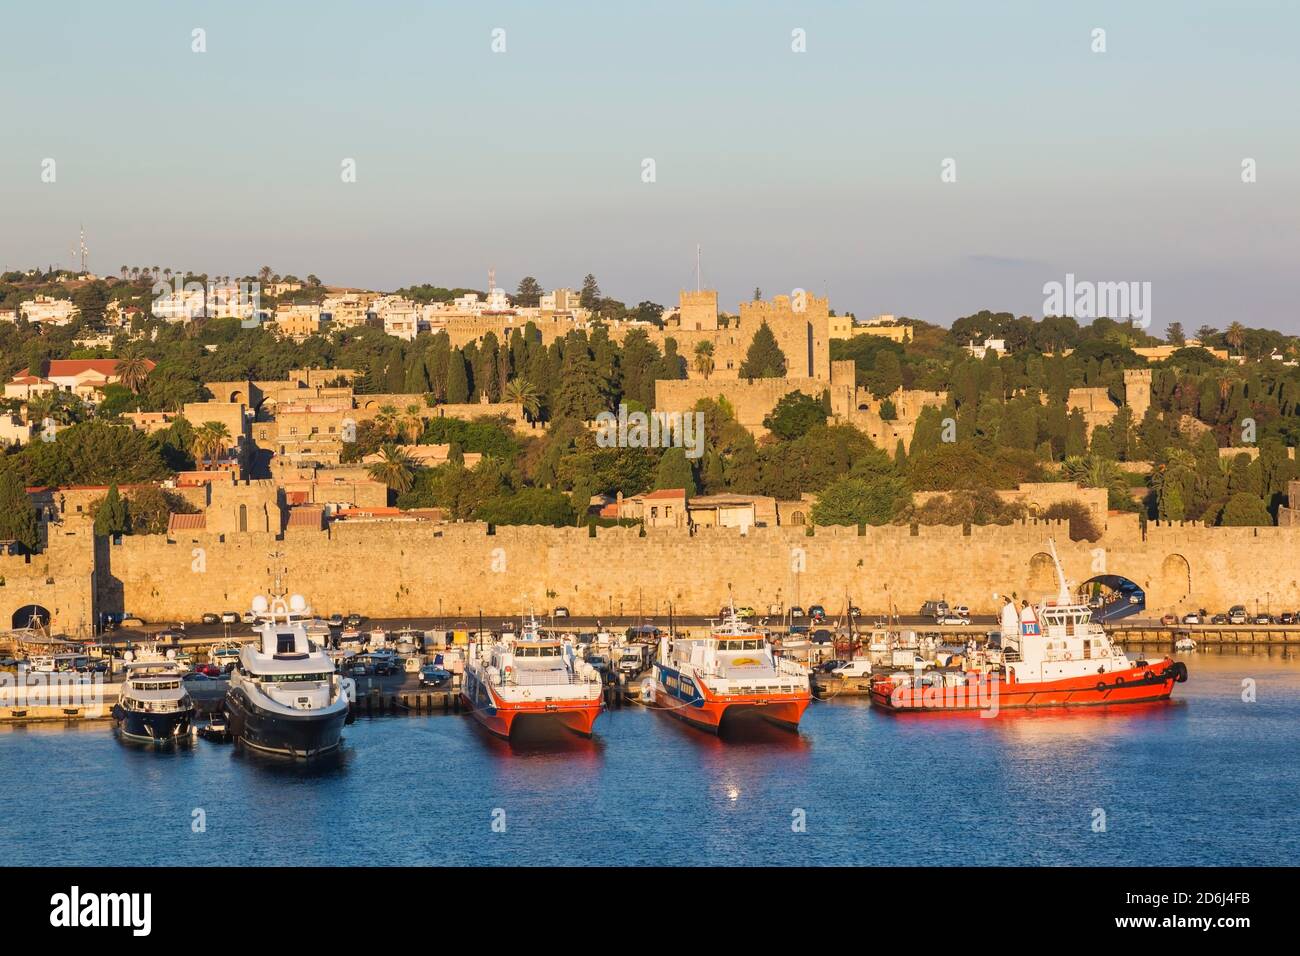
1042	576
1175	580
30	615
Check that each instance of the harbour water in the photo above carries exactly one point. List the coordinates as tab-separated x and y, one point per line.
1209	779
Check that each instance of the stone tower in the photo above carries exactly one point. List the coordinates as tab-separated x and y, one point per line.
1137	391
699	310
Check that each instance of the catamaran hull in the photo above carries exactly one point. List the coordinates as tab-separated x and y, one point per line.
1137	685
784	711
501	717
306	736
153	728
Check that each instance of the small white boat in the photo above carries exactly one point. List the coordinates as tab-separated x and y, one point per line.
1185	643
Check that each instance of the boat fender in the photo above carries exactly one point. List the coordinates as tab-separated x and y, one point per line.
1101	685
1149	675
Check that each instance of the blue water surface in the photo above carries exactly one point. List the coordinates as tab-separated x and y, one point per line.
1210	779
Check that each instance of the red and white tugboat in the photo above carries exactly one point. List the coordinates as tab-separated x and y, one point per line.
730	674
1054	655
533	677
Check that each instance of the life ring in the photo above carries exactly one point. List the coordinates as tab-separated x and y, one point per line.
1101	686
527	693
1069	656
1119	680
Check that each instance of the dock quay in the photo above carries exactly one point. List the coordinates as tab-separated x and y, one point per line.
1206	634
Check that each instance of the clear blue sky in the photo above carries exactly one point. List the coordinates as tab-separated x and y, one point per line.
817	170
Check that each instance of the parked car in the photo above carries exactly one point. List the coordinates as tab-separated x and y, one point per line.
1237	614
353	620
198	675
745	612
212	670
358	670
560	612
796	629
860	667
248	617
855	611
827	667
335	620
432	675
961	610
1219	619
1286	618
934	609
1263	619
1192	618
386	668
952	619
229	617
796	612
822	636
817	613
1169	620
132	621
210	618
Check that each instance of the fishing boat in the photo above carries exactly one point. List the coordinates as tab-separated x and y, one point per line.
285	695
730	674
154	705
530	677
1051	655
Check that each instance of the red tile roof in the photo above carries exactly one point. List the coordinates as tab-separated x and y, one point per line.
71	367
309	516
666	493
180	522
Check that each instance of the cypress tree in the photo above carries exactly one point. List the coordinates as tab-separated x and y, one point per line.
110	518
457	379
18	520
764	358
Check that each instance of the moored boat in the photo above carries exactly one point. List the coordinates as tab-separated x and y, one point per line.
154	705
1052	655
285	695
533	678
732	673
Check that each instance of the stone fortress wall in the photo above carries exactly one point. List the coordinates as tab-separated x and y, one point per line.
423	569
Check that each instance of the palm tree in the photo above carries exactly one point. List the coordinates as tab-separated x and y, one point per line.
1235	335
132	373
520	391
386	422
210	441
393	469
124	271
1094	471
704	358
412	423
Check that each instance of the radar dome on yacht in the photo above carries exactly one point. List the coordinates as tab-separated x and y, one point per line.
297	603
171	654
259	604
128	656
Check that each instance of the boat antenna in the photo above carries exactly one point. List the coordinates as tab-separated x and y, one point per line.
1063	596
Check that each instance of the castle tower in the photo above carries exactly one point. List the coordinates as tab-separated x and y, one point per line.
1137	391
699	310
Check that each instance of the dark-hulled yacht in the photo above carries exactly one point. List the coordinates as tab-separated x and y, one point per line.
285	696
154	705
